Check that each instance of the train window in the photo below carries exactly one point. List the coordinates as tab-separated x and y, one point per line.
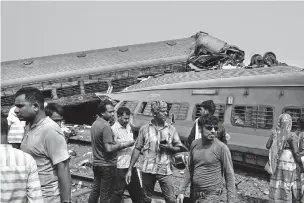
219	111
145	109
129	104
180	110
252	116
115	102
47	94
68	91
295	113
8	100
100	86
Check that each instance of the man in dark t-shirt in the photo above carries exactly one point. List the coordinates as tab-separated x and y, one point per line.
209	163
104	154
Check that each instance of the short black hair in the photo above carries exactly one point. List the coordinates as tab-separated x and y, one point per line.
4	125
301	123
102	106
53	107
209	105
32	94
122	110
208	120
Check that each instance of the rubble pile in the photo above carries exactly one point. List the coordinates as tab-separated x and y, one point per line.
210	53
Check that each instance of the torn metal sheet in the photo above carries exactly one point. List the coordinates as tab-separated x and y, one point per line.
209	52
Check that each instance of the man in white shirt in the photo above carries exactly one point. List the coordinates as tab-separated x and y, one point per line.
123	134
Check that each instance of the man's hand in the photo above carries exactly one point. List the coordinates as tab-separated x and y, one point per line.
180	198
128	177
166	147
129	143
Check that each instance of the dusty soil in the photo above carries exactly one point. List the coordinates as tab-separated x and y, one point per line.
252	186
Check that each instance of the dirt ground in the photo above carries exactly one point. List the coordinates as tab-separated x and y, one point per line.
252	187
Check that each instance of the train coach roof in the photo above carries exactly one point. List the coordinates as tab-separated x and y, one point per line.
211	75
93	61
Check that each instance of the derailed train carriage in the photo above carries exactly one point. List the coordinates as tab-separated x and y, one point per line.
248	100
70	79
248	104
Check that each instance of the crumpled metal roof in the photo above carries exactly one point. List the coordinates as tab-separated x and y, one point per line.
70	62
211	74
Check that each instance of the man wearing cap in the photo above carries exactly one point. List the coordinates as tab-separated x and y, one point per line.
158	140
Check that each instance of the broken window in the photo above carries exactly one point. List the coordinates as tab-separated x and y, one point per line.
295	113
130	105
219	111
252	116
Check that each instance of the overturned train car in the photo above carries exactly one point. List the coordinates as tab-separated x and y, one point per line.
249	102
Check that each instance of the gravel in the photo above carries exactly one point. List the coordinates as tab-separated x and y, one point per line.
252	186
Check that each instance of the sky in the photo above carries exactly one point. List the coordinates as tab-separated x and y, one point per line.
33	29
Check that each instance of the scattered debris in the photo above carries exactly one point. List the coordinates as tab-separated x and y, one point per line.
210	53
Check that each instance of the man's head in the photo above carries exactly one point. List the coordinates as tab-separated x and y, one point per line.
159	110
300	123
208	127
106	109
29	102
123	116
54	111
4	129
207	108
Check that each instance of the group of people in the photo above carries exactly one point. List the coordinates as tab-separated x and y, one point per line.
39	171
120	162
286	159
36	168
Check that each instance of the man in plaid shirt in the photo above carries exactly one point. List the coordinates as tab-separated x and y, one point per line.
158	140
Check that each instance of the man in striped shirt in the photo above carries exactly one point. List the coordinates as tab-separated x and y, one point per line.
123	134
16	129
19	176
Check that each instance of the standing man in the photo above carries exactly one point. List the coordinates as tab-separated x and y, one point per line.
56	113
44	141
122	134
18	171
209	161
16	129
207	108
158	140
104	154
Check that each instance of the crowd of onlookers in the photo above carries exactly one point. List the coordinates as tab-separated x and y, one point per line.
34	157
